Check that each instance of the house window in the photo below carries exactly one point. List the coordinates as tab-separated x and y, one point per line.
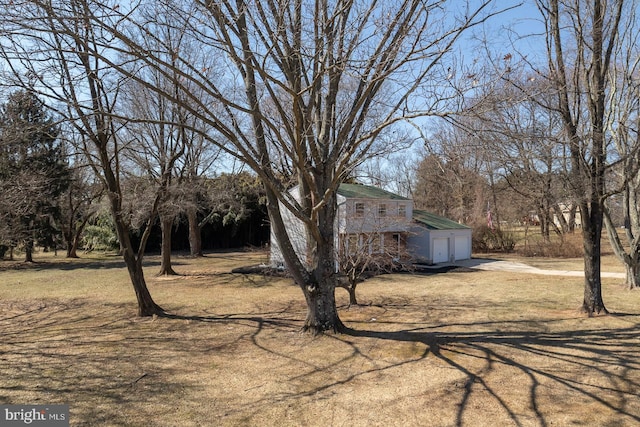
376	244
402	211
362	243
359	210
382	210
396	246
352	244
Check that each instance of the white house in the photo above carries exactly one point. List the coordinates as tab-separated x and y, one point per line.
566	209
378	221
373	219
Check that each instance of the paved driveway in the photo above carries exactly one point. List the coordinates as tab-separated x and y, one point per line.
496	265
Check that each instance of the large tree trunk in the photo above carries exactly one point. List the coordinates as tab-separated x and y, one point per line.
543	217
315	278
28	250
195	236
73	241
588	149
318	280
166	225
349	282
594	208
146	305
592	239
74	237
633	274
630	259
351	289
322	313
71	251
72	248
66	234
133	261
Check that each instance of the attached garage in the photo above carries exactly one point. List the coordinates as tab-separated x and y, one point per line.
440	250
462	248
435	239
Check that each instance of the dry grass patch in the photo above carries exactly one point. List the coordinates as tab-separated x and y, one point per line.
451	349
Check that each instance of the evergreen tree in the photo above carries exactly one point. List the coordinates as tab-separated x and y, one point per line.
33	173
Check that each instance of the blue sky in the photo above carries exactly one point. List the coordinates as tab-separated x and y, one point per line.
520	25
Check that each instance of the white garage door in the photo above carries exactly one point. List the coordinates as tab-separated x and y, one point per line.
463	248
440	250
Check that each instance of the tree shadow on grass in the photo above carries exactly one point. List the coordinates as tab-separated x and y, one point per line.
99	360
76	264
609	355
102	362
600	366
597	366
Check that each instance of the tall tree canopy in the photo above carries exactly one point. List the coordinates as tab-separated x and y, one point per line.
33	173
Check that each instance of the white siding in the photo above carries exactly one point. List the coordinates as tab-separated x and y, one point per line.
295	231
370	221
440	250
427	245
462	247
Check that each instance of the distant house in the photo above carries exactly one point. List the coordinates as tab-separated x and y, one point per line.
569	213
377	221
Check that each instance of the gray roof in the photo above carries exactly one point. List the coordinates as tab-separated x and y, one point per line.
435	222
359	191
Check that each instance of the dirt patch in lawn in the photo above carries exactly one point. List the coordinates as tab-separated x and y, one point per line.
455	348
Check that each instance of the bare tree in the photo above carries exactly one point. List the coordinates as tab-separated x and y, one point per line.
313	85
312	80
581	46
623	127
158	142
173	136
582	40
196	164
451	178
51	46
395	172
79	205
367	254
525	144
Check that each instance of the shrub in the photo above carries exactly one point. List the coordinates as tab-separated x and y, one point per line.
100	238
485	239
563	248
